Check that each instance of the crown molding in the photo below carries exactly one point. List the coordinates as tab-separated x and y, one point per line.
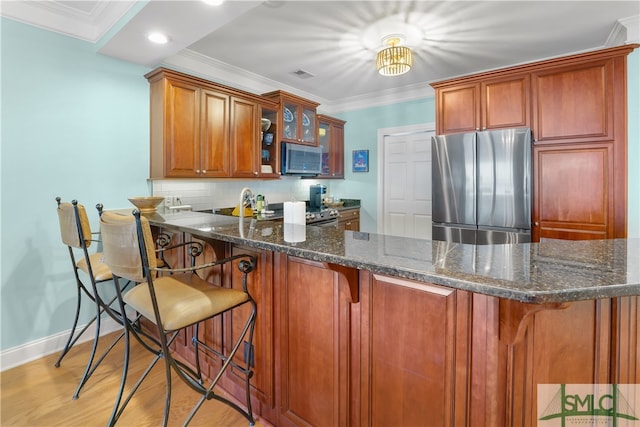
386	97
617	36
632	24
194	63
88	25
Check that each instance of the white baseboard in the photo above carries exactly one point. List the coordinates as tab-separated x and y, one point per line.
33	350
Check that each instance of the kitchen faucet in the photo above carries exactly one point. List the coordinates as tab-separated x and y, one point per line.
246	198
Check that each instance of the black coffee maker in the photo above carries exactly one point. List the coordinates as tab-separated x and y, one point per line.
316	194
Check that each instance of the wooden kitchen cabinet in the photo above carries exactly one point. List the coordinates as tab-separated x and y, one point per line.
414	354
349	219
346	346
580	160
480	105
261	289
270	147
331	140
574	186
183	145
200	129
505	102
458	108
314	327
220	333
244	144
575	103
297	120
576	108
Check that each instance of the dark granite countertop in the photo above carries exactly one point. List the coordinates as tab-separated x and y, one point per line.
549	271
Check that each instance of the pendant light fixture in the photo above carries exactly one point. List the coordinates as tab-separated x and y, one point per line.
394	60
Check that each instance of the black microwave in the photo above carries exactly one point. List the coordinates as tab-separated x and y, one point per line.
299	159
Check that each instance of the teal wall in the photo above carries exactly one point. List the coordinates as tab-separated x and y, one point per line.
361	133
75	124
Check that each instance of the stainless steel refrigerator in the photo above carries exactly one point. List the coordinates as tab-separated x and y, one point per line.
482	186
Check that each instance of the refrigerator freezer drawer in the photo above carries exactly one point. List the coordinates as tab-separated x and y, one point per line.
499	237
478	236
446	233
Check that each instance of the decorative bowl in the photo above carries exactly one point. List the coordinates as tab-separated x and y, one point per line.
147	203
334	204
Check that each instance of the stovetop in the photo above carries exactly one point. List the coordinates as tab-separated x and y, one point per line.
313	215
276	212
321	214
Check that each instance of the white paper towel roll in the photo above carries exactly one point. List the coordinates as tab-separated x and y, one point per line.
294	233
295	213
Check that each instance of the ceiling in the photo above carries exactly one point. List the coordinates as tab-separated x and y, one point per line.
326	50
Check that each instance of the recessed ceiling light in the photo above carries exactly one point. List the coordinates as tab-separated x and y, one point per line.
158	38
213	2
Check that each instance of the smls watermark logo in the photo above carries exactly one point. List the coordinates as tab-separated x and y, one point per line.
615	405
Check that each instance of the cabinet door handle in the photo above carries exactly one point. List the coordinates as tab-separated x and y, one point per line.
537	224
204	171
255	173
197	170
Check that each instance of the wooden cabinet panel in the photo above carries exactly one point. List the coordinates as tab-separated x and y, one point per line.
245	150
261	289
458	109
572	192
314	330
505	103
574	104
349	219
569	345
182	128
214	148
626	340
413	344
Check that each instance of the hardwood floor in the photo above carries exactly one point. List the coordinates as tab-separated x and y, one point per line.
39	394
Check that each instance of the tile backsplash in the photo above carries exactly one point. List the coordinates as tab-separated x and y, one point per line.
204	194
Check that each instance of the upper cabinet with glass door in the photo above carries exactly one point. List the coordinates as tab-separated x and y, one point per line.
298	122
331	140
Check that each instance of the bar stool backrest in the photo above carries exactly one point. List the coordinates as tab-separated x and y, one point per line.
121	249
72	228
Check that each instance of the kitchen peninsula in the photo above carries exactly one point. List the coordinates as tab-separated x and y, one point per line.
364	329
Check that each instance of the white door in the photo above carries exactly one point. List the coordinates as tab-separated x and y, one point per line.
406	184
